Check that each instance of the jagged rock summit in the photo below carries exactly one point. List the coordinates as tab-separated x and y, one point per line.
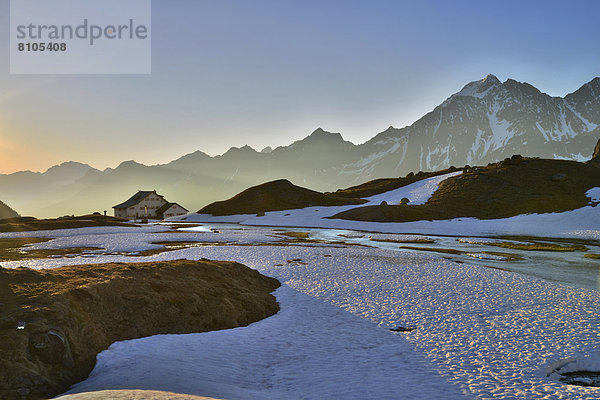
320	133
487	121
480	88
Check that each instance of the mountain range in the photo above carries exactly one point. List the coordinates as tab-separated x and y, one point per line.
488	120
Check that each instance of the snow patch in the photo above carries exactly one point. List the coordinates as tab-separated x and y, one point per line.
594	194
574	157
418	192
590	126
501	132
366	164
478	89
542	131
582	223
480	333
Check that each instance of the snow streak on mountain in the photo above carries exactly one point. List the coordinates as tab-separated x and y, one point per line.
485	122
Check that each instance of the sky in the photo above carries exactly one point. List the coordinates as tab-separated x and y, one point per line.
269	72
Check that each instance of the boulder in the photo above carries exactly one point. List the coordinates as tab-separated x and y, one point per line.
516	159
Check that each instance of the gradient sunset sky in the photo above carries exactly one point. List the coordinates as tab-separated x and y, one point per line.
266	73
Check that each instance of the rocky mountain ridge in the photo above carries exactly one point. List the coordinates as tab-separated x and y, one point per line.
487	121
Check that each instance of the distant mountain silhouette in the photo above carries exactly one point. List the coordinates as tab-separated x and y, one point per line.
7	212
31	192
487	121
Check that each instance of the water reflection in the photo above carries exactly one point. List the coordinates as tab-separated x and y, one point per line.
558	260
570	267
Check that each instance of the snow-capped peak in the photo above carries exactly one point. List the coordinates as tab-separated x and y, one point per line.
594	87
479	88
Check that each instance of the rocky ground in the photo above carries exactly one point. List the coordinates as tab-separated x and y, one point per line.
53	322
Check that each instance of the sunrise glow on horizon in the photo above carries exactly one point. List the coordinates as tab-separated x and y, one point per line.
268	73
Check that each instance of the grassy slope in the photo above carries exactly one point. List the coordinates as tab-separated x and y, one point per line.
23	224
73	313
274	196
497	191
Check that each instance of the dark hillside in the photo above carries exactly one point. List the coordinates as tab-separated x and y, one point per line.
500	190
274	196
22	224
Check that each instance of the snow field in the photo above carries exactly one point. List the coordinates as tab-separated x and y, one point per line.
418	192
583	222
310	350
480	333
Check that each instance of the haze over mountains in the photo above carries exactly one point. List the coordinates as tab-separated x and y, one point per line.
6	211
486	121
